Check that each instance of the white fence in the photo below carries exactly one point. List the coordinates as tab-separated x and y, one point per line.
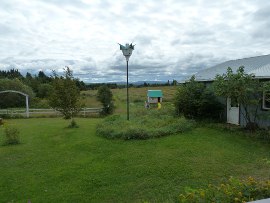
43	112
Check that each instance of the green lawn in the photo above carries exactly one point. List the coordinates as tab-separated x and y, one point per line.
56	164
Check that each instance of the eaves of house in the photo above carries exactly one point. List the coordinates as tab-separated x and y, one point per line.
259	66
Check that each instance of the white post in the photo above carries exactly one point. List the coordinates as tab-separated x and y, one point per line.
27	107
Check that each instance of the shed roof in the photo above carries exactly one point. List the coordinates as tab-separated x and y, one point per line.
154	93
258	65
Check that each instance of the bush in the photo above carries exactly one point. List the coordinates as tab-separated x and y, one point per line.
7	116
73	124
233	190
40	103
105	96
194	100
146	123
11	136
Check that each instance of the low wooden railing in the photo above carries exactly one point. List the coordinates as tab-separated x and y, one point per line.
36	112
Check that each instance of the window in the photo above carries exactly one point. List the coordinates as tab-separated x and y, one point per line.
266	100
234	102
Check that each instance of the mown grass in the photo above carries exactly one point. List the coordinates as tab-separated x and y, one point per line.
57	164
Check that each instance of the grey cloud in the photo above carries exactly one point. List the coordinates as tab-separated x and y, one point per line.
197	40
261	23
199	32
262	14
76	3
6	30
174	38
143	40
175	42
263	33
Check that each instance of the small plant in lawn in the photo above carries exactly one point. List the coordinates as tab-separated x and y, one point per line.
11	135
73	124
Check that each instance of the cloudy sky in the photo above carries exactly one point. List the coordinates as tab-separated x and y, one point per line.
174	38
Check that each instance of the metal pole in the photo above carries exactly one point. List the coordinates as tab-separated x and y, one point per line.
127	95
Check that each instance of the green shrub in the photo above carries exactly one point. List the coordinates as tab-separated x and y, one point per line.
138	100
105	96
7	116
233	190
11	136
40	103
144	124
73	124
196	101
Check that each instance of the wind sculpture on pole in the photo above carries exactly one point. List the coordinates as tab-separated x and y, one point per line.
127	51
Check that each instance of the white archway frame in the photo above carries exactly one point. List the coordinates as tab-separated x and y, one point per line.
26	99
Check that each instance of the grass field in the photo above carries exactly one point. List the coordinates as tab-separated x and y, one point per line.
57	164
137	97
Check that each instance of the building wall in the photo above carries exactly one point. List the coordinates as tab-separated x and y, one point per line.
263	118
263	115
154	100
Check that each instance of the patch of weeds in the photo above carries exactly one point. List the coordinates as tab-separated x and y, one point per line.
144	124
1	121
233	190
11	135
266	161
263	135
11	116
73	124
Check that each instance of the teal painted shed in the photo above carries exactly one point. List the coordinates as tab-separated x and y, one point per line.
154	96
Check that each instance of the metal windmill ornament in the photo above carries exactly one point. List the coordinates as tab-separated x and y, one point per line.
127	50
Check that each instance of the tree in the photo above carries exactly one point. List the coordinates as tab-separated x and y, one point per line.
194	100
174	82
11	74
65	96
105	96
42	77
243	88
44	90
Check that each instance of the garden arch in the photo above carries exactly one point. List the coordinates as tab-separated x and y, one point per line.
26	99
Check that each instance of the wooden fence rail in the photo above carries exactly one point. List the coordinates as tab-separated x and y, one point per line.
83	111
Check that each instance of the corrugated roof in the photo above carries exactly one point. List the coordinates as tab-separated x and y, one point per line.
154	93
259	66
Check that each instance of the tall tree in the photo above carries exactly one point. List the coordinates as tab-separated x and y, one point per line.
65	96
